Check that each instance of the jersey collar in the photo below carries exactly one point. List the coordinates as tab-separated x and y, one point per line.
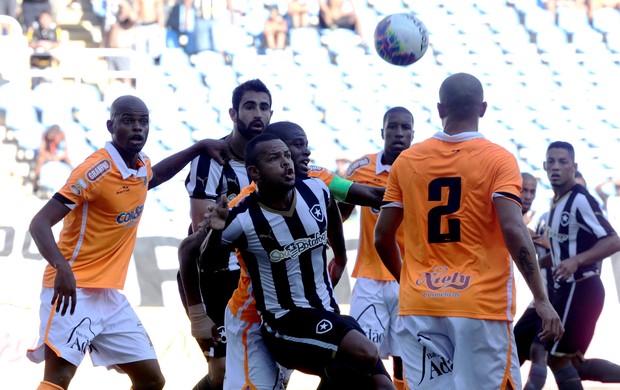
379	166
122	167
465	136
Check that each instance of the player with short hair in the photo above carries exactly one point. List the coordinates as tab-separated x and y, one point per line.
580	238
101	205
374	301
280	231
248	361
206	183
457	195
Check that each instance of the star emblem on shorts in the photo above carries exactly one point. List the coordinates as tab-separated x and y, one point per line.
222	331
323	326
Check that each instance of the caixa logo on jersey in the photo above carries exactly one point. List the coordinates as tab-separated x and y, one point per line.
129	216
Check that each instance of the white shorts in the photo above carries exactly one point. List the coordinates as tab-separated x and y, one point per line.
248	362
374	304
104	325
458	353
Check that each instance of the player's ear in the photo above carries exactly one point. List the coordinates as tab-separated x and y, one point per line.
109	124
483	109
441	109
233	114
253	172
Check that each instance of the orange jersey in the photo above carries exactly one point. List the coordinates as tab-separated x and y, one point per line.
455	262
243	298
368	170
98	236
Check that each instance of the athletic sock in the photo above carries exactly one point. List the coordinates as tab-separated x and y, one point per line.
567	378
599	370
399	384
45	385
537	377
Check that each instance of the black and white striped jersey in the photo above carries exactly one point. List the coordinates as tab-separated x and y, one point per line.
285	252
209	180
574	225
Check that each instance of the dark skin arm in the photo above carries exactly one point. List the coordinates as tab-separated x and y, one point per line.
335	235
43	236
170	166
362	195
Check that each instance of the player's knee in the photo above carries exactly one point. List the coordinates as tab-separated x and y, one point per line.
362	352
155	381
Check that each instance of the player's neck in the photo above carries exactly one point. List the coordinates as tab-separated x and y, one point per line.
454	127
277	200
560	191
236	145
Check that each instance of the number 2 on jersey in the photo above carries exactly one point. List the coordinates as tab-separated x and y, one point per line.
435	189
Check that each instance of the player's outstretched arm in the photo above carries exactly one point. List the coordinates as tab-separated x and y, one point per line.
170	166
389	220
41	231
521	248
335	235
364	195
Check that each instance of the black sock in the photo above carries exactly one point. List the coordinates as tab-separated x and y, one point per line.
599	370
537	377
567	378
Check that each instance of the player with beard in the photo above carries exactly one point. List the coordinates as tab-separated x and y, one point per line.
281	231
206	183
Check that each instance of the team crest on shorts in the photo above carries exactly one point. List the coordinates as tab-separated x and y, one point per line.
323	326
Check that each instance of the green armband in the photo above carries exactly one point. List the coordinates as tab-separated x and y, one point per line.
339	188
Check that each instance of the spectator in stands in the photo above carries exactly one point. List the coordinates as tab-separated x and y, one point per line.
8	7
338	14
298	13
150	28
31	9
122	35
43	36
275	30
180	26
53	148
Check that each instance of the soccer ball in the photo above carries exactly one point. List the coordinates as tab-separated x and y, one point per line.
401	39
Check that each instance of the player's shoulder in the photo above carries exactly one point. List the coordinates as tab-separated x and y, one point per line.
97	165
316	169
360	163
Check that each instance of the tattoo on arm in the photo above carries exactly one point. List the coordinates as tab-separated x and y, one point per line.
527	266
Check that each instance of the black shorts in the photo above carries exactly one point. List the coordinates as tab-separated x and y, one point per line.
579	305
307	339
216	289
526	332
